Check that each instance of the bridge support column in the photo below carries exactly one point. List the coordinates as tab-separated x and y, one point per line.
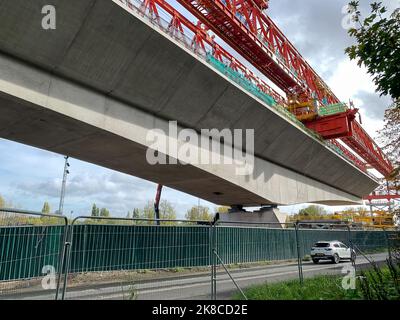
268	214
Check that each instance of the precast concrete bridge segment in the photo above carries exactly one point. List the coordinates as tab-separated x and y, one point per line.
93	88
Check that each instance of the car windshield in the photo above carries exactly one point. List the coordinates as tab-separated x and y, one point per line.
322	245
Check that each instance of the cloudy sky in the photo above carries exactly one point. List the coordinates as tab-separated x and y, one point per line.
30	176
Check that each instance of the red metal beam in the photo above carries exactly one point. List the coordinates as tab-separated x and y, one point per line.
334	126
382	197
366	148
243	25
200	38
345	127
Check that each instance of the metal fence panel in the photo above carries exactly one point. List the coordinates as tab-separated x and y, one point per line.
31	251
135	247
111	255
125	258
250	244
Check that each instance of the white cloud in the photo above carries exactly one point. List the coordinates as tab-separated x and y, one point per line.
348	79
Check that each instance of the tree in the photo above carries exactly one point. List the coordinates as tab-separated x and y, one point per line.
199	213
95	211
2	202
222	209
148	210
104	212
378	49
167	210
136	213
390	136
46	208
378	46
313	211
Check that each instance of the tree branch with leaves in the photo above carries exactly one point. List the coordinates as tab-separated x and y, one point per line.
378	49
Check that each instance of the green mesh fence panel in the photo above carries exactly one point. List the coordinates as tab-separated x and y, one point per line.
110	247
98	247
307	238
243	245
370	241
25	250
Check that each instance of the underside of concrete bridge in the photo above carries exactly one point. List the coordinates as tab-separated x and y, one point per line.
96	85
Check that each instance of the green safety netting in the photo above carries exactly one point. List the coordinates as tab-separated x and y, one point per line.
241	80
252	88
332	109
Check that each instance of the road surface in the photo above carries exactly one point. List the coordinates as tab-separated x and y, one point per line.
196	286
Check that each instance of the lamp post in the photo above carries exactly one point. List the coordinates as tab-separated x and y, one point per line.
64	182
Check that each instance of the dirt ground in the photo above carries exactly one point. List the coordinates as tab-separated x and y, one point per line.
124	276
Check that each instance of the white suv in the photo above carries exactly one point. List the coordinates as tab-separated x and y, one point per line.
331	250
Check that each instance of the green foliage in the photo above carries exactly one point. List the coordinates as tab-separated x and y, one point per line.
95	211
104	212
223	209
167	211
46	208
390	136
24	220
133	292
2	202
197	213
148	211
378	46
378	49
318	288
313	211
377	283
136	213
381	283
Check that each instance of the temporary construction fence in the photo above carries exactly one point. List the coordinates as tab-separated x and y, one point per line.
133	247
32	249
137	258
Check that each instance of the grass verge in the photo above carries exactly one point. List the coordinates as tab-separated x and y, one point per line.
375	284
317	288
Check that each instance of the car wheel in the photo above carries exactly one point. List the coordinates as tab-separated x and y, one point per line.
336	258
315	261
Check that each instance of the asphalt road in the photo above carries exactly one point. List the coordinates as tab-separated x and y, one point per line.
197	285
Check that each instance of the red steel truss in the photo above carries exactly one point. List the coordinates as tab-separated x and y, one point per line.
349	155
251	33
345	127
388	190
365	147
243	25
200	38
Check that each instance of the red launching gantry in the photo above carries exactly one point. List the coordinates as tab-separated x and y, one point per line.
248	30
244	26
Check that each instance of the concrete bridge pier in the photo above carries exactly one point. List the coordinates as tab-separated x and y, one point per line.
266	216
